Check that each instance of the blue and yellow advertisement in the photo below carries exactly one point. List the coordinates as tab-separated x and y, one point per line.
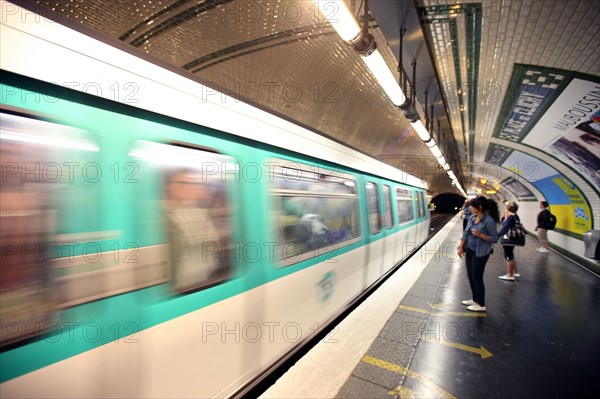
566	201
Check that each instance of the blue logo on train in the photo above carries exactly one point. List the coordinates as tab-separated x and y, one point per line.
326	286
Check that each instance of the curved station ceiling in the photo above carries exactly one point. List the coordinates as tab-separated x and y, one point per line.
509	91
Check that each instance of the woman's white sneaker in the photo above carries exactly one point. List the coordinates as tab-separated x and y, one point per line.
507	277
476	308
468	302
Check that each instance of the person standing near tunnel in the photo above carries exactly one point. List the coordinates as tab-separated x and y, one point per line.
476	244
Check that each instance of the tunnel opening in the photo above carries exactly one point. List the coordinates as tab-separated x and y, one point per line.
448	203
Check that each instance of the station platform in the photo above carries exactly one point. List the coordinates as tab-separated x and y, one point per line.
539	338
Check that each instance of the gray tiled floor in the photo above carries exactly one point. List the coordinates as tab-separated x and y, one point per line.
539	337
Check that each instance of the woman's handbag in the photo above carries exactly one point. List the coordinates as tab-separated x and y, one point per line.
514	236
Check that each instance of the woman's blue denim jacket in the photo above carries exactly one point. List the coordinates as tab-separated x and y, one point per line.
488	227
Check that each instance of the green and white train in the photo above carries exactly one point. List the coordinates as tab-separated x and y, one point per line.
158	241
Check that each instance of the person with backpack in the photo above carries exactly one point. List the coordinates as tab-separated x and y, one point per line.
510	220
476	245
545	222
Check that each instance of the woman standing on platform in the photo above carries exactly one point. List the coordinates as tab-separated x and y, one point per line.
478	237
510	220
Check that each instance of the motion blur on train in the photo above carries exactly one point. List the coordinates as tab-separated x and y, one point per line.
171	246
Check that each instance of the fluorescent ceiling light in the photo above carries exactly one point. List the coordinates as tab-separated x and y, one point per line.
436	151
347	27
340	18
384	76
421	131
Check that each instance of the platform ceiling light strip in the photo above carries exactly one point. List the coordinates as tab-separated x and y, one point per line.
343	21
436	151
345	24
421	131
426	137
384	76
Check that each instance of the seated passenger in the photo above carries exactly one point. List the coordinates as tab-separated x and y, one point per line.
194	240
319	232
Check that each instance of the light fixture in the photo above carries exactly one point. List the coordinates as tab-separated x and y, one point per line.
341	19
410	112
383	74
436	151
421	131
362	41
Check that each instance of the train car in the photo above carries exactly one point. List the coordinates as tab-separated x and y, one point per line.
161	242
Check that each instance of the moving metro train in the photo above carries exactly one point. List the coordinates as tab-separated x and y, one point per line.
158	242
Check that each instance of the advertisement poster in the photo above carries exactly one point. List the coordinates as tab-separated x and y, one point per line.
521	192
557	112
567	202
570	130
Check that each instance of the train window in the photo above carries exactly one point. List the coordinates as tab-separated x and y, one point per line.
387	203
405	205
316	211
373	205
183	205
49	215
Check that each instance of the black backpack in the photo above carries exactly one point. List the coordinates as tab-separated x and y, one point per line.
551	221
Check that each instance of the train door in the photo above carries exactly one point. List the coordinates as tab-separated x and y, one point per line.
375	240
389	226
62	301
425	221
419	208
405	238
316	265
187	215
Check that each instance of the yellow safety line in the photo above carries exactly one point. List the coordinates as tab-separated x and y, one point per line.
403	392
458	314
413	309
404	371
440	305
461	314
